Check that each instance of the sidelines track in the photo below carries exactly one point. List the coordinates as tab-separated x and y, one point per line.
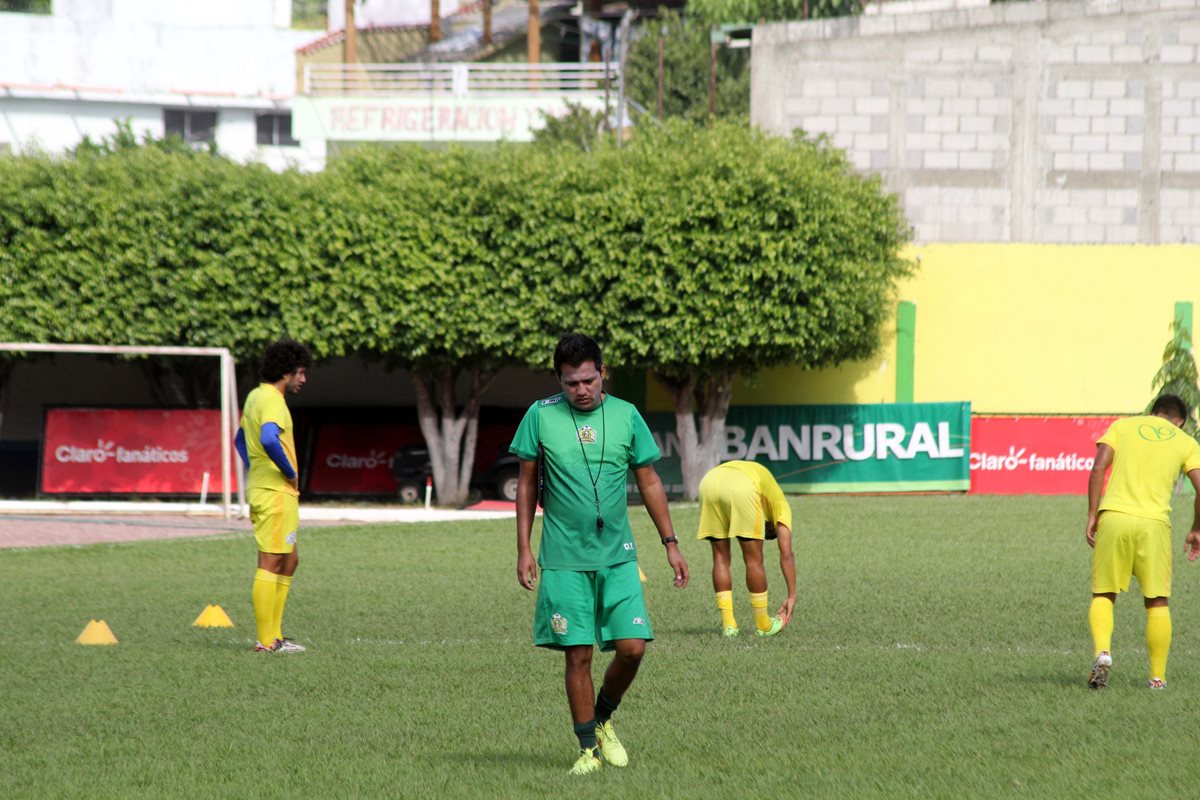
49	524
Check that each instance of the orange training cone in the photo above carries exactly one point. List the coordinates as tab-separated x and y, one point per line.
213	617
97	633
641	574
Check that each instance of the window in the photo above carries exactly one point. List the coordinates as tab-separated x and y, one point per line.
194	127
275	129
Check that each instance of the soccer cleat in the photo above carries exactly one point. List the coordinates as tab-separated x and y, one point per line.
273	647
1098	677
776	627
1156	683
611	749
730	631
286	645
586	763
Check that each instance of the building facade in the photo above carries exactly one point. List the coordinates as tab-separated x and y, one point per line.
220	72
1065	121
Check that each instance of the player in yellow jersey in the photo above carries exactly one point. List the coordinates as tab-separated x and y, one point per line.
1129	529
267	444
741	499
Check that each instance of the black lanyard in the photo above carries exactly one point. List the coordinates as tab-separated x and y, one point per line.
587	464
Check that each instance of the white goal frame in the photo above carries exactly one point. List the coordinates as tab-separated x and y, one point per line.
228	394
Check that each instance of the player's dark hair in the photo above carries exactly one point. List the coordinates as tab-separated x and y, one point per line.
574	349
282	358
1170	404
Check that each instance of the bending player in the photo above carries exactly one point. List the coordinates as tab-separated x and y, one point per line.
741	499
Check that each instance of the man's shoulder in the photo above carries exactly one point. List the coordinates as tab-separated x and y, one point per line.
622	406
553	400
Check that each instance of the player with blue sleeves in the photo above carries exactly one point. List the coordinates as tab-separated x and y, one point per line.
267	445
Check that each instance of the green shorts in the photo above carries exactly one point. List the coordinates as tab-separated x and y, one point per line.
587	608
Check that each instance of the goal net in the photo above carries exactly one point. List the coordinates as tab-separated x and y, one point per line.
145	463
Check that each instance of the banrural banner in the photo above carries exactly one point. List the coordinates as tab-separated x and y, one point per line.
132	451
1034	455
886	447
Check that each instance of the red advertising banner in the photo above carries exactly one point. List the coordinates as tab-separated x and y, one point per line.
132	451
357	459
1033	455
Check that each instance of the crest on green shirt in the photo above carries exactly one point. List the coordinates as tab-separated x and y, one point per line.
587	434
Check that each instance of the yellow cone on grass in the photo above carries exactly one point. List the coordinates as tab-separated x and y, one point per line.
641	574
213	617
96	633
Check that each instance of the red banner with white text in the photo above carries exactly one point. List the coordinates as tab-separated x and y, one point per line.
132	451
357	459
1034	455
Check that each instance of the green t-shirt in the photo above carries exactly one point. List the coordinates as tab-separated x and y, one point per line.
606	442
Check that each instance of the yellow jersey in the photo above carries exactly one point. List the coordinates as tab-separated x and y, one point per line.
265	404
1149	453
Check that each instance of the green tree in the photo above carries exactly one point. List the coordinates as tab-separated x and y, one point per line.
696	252
423	248
1177	374
26	6
717	12
719	250
686	65
146	243
580	127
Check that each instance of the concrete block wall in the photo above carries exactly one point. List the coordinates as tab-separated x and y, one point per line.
1071	121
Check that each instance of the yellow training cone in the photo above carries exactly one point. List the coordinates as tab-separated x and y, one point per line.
213	617
97	633
641	574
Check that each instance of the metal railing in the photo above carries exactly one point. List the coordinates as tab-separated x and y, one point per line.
457	79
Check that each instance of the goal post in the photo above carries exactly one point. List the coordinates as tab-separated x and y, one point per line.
228	394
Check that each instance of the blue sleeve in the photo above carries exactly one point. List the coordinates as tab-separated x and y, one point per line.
270	443
239	443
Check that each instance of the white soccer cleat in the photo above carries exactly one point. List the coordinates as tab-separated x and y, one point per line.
286	645
1101	667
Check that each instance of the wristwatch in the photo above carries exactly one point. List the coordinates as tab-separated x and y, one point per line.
672	539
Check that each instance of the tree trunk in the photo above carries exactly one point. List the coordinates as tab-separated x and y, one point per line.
707	401
450	433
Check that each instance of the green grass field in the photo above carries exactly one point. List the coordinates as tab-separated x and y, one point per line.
939	650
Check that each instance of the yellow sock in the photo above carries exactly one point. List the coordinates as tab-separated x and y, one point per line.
1100	620
263	597
725	606
283	584
1158	639
758	602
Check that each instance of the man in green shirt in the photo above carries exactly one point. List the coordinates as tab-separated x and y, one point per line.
590	591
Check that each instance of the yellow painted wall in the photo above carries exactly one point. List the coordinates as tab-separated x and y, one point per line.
1015	328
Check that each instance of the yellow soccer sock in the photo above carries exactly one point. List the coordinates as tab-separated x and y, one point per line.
1100	620
283	584
1158	639
725	606
263	597
758	602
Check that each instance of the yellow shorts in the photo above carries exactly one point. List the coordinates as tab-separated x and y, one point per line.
1130	545
729	506
276	519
